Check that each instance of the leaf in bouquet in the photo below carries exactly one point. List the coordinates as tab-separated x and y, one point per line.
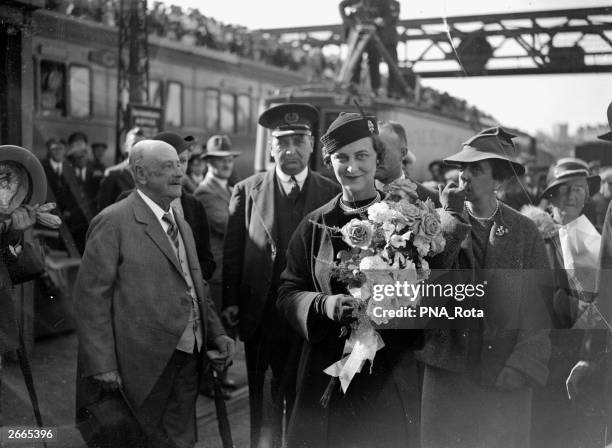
343	256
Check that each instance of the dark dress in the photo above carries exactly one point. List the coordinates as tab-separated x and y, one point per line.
381	405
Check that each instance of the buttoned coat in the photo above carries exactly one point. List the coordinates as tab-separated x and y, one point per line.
250	242
215	200
132	302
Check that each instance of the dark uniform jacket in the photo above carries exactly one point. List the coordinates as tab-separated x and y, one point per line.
250	242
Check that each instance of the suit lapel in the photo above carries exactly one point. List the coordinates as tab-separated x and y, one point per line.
144	215
217	189
264	205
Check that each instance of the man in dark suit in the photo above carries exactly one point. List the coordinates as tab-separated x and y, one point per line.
264	211
143	311
117	178
65	190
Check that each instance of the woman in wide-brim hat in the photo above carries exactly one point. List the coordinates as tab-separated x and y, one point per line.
477	382
557	421
22	182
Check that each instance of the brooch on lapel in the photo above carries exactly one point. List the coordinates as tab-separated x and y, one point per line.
502	230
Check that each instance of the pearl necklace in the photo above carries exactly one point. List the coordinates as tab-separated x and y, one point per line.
356	211
468	207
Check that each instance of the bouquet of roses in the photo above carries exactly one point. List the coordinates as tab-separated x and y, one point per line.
387	246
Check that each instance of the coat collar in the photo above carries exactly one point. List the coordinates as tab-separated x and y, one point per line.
144	215
215	187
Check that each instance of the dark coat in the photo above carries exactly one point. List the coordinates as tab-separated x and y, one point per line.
131	299
462	365
250	243
215	200
116	180
309	256
8	319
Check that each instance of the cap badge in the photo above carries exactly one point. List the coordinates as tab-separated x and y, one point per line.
291	118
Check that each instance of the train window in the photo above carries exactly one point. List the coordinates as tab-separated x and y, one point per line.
227	117
174	104
211	109
155	93
243	114
80	91
52	87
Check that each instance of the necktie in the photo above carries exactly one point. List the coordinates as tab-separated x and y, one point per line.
172	230
295	190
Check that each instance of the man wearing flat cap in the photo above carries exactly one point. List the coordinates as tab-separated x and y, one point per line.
264	211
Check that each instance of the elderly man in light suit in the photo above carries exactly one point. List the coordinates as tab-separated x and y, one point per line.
143	313
265	210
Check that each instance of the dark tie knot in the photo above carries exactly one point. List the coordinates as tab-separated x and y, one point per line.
295	189
172	229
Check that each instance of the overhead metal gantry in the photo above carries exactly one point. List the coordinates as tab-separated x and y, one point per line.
522	43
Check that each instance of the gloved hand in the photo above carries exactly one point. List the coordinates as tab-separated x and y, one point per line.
338	307
452	197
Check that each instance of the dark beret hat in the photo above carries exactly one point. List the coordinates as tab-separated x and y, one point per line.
174	140
347	128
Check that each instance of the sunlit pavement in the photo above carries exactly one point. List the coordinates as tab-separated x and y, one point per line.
54	370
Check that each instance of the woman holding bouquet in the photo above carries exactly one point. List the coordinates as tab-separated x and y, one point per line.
477	381
380	407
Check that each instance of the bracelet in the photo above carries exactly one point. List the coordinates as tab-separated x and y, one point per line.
319	304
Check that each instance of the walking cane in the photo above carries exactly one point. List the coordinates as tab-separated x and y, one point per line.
225	430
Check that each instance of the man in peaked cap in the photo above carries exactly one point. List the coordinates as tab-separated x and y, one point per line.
264	211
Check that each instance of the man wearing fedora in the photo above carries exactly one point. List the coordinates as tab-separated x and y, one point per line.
264	211
594	371
214	193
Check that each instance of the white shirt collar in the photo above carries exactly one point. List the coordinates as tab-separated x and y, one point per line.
222	182
286	178
379	185
156	209
55	165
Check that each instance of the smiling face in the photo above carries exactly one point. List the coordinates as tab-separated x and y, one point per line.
355	166
291	152
568	200
476	178
158	171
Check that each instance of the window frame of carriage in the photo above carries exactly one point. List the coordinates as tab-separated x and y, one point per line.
67	110
166	94
216	123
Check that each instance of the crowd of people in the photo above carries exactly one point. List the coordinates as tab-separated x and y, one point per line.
193	28
179	258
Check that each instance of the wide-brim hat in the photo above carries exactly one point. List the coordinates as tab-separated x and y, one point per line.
219	146
491	143
290	118
179	143
37	188
608	135
568	169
